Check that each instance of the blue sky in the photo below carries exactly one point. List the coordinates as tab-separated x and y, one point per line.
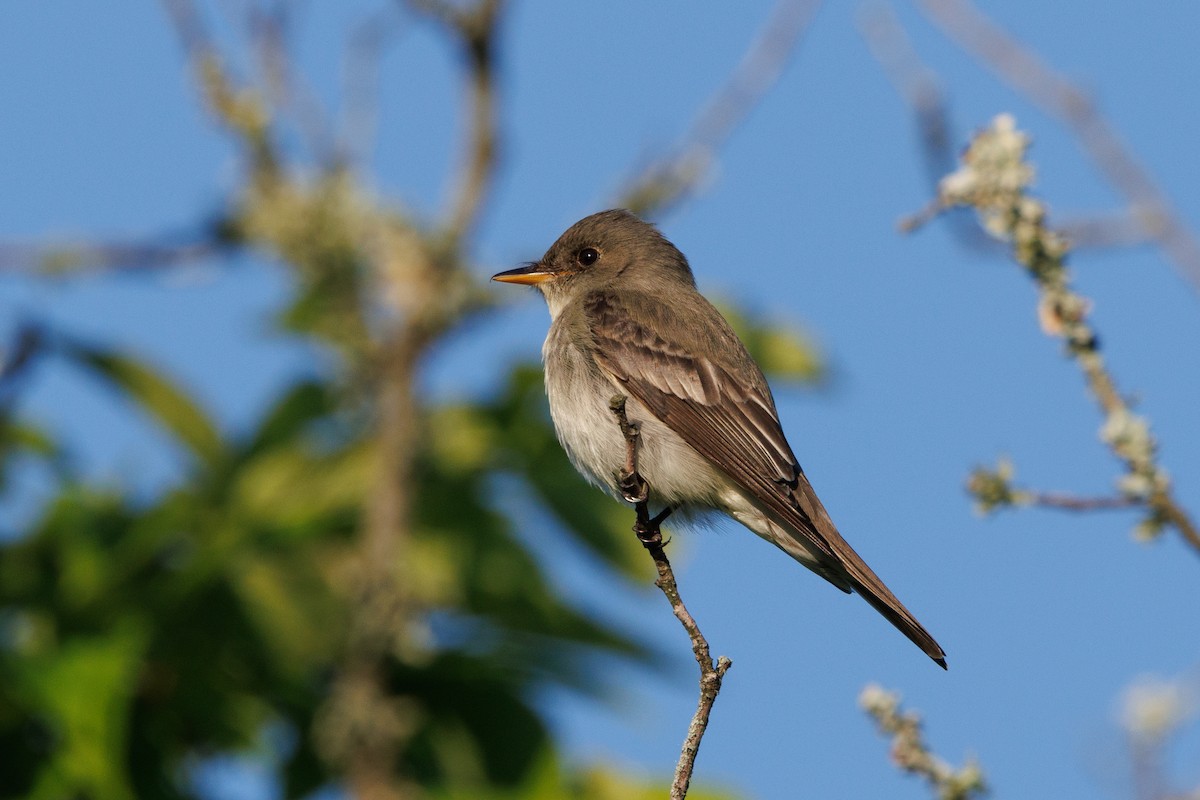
938	360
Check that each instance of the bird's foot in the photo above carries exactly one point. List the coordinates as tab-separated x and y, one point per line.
632	487
649	529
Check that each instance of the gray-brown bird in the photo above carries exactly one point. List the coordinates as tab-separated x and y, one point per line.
627	319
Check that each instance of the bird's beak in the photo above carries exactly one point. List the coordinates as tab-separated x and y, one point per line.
531	274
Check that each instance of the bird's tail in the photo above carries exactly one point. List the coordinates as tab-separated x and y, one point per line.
810	524
883	601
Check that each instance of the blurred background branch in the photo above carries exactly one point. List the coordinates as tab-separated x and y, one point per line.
993	180
64	258
666	182
1149	216
910	752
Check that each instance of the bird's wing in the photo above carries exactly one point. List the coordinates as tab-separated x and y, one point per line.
722	407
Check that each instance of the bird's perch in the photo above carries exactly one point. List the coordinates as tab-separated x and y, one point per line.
647	528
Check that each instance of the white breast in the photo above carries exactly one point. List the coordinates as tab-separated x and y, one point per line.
579	394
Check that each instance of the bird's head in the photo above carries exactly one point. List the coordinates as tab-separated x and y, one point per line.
608	249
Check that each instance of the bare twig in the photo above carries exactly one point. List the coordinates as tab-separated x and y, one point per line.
1070	502
239	109
647	528
669	181
993	489
76	257
1103	231
288	95
190	28
918	85
910	752
993	179
1056	95
360	116
913	81
477	30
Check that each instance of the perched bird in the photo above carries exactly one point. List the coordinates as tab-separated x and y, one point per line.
627	319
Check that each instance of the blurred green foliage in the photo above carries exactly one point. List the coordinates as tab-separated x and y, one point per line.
137	635
143	635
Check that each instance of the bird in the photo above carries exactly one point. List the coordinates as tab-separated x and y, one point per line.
627	319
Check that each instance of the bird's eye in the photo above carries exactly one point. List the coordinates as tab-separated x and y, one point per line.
587	256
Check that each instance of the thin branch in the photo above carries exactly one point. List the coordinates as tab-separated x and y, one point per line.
1071	502
443	11
911	753
647	528
1101	231
670	181
268	34
994	179
915	82
76	257
919	86
361	68
478	32
283	87
993	489
1049	89
236	107
190	28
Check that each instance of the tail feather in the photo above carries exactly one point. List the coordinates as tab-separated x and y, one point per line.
808	520
894	612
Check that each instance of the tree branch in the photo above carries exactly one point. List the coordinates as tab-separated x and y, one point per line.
993	179
1071	502
69	257
365	725
283	89
478	31
1027	73
993	488
361	71
915	82
17	359
920	88
647	528
668	182
910	752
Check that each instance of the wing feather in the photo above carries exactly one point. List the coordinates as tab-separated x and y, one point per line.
726	413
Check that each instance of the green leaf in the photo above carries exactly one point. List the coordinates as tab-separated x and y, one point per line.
21	439
85	688
156	394
301	405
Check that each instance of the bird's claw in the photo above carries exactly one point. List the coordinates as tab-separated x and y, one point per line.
649	530
648	533
633	488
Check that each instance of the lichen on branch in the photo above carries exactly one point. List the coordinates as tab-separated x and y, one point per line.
994	179
911	753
